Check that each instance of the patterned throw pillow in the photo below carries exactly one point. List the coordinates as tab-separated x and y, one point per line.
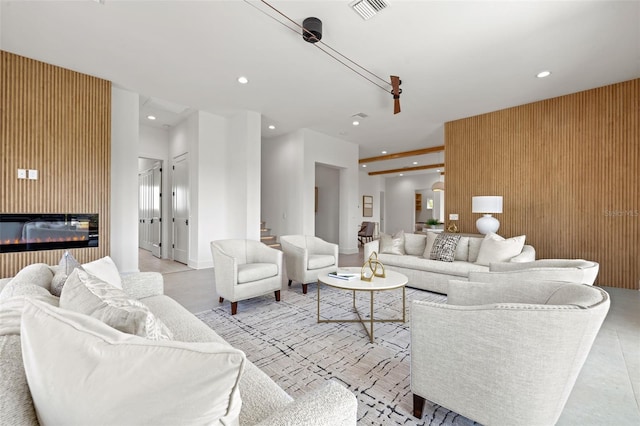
392	244
89	295
444	247
67	264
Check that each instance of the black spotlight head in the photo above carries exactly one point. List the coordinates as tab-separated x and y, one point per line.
312	31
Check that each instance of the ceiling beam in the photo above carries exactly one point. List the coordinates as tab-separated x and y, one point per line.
402	154
407	169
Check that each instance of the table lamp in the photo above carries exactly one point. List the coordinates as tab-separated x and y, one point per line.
487	205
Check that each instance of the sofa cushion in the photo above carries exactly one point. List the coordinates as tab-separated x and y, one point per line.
119	378
444	248
414	244
67	264
474	248
105	269
462	249
494	248
392	244
456	268
87	294
250	272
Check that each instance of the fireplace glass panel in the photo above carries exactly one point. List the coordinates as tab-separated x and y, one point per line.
31	232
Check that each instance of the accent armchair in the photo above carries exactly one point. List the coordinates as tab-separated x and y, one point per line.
306	257
504	353
577	271
244	269
366	232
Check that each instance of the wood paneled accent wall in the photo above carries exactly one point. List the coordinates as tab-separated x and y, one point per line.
58	122
569	171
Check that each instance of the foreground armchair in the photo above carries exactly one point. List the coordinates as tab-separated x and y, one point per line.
244	269
504	353
306	257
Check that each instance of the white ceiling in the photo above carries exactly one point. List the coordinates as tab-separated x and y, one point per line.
456	59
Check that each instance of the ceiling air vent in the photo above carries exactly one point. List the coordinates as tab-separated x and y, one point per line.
368	8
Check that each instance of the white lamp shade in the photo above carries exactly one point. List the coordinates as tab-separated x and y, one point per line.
438	186
486	204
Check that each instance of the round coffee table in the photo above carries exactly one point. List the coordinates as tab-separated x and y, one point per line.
393	280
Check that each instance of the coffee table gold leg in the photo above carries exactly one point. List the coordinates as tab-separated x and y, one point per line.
371	316
404	303
318	285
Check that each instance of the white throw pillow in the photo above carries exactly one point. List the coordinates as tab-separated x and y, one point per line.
494	248
414	244
105	269
83	372
431	238
392	244
89	295
67	264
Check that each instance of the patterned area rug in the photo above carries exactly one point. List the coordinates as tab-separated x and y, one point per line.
285	340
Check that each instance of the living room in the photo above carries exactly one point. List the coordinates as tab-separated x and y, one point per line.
565	161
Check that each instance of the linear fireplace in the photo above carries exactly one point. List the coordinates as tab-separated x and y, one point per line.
30	232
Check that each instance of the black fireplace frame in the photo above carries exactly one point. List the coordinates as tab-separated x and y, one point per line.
22	232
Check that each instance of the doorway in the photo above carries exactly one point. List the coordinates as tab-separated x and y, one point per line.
150	205
180	220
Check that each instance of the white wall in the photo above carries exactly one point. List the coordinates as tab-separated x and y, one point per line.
288	184
224	179
371	185
124	179
282	166
400	200
328	214
154	144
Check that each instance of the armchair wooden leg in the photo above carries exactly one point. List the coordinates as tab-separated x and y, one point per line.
418	405
277	292
221	300
304	288
234	308
289	283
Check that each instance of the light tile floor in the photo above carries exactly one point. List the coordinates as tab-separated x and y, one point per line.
607	391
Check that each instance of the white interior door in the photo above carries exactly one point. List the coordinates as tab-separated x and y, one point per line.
144	214
180	194
155	228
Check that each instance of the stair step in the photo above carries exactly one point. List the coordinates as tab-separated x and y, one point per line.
268	239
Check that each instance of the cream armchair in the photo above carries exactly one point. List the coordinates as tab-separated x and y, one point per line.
306	257
504	353
577	271
244	269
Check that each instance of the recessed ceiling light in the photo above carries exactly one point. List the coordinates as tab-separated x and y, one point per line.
243	80
151	117
543	74
272	127
401	174
364	165
415	162
437	170
356	123
384	152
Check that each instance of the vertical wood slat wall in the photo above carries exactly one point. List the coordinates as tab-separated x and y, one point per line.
58	122
569	171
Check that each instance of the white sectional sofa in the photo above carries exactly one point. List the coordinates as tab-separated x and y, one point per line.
174	390
434	275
